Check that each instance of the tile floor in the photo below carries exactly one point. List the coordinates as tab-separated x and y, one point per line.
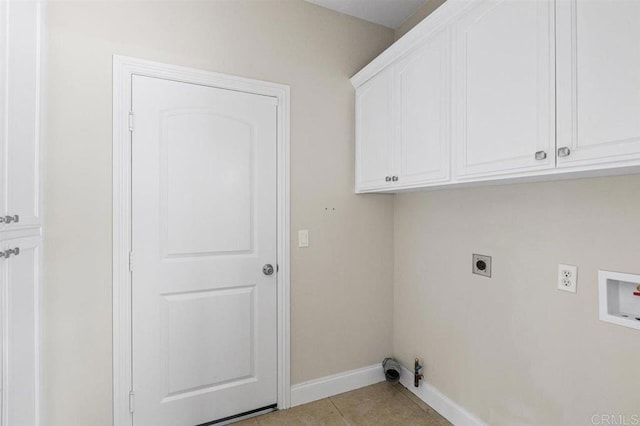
379	404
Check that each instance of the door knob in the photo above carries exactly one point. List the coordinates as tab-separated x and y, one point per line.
394	178
564	152
267	269
387	179
541	155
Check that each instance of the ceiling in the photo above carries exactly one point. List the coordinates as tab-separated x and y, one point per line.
390	13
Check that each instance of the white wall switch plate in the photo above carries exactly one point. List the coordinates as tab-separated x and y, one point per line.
567	278
303	238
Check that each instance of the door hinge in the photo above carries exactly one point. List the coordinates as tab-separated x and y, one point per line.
130	261
132	402
131	121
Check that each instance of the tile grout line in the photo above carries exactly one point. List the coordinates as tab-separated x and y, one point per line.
431	411
340	412
404	391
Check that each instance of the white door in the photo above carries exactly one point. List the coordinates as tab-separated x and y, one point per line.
504	94
598	81
374	132
20	396
422	150
20	25
203	227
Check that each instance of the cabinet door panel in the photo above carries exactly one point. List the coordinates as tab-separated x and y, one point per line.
374	131
22	163
504	90
422	151
598	81
21	325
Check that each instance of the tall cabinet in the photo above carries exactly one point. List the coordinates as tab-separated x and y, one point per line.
20	212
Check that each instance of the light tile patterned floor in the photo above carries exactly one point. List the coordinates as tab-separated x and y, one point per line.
379	404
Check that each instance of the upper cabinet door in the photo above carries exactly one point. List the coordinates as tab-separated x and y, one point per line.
598	81
504	94
20	35
374	132
422	148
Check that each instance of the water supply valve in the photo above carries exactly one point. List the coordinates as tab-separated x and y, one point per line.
417	376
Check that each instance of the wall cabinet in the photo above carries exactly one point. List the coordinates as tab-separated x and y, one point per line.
20	218
598	82
20	41
402	133
537	88
374	131
422	108
504	88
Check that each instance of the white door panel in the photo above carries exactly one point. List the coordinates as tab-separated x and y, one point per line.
22	161
422	151
504	87
21	329
375	131
196	359
598	81
228	162
204	224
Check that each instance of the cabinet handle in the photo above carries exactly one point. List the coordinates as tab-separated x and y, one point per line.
541	155
564	152
7	253
395	178
387	179
9	219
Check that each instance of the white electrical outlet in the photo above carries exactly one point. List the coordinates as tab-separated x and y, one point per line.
567	278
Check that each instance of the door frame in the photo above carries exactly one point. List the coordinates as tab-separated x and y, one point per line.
124	68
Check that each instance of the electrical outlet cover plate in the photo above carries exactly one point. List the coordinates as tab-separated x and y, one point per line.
567	278
481	265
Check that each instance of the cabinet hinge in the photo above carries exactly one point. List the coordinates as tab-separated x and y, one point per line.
132	402
130	261
131	121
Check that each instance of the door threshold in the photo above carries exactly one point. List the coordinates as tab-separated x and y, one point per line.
242	416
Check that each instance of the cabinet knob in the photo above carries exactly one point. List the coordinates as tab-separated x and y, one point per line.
387	179
7	253
541	155
564	152
394	178
9	219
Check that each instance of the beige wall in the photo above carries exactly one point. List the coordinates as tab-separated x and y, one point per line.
341	285
513	349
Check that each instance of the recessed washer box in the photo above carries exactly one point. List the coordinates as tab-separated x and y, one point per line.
619	298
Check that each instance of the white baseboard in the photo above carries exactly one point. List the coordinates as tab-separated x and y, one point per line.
324	387
448	409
